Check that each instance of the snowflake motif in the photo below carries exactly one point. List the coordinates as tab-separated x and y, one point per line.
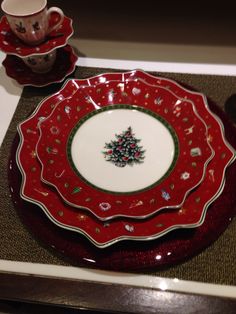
185	175
165	195
104	206
129	228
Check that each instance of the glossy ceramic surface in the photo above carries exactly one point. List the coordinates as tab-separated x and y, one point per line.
12	45
191	215
176	247
41	63
72	141
63	66
170	250
30	21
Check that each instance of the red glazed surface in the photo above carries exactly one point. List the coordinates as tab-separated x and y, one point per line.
140	204
191	215
12	45
64	65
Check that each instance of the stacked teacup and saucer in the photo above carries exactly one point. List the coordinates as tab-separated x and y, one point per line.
35	40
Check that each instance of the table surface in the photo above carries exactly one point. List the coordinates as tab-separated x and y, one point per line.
10	93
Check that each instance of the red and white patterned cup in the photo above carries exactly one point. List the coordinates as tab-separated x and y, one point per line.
29	19
42	63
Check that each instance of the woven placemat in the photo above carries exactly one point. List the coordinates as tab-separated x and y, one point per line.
216	264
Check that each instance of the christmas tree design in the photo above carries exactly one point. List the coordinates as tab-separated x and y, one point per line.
124	150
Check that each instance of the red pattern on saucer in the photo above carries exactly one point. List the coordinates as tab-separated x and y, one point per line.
12	45
64	65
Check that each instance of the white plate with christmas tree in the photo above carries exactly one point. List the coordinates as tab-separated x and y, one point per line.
123	149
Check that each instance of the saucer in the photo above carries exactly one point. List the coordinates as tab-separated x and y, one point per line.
11	44
64	65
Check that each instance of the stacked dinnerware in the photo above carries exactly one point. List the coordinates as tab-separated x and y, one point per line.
123	156
115	157
34	39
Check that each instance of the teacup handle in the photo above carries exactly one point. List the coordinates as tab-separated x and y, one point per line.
61	14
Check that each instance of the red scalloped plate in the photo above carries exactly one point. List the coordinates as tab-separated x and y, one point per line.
12	45
177	246
174	149
192	214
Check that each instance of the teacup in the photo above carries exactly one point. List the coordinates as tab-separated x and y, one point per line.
29	19
42	63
